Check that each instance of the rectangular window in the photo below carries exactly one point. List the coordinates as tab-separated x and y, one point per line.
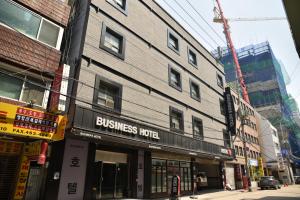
108	94
158	176
192	57
194	90
121	5
173	42
236	150
30	24
176	120
222	106
220	81
198	128
174	78
227	142
241	150
24	88
112	42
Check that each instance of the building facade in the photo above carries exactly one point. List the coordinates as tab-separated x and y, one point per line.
147	106
30	54
235	170
265	81
271	150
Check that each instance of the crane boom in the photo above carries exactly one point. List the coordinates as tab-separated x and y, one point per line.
219	20
234	54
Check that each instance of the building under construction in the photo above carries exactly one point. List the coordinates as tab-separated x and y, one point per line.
265	81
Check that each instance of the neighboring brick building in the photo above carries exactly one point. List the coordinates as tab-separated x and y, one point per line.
235	170
31	35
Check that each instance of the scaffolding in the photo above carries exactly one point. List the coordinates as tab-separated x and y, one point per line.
266	80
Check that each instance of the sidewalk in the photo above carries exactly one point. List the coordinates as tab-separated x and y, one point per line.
212	194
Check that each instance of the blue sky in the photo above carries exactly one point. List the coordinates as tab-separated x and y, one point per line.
243	33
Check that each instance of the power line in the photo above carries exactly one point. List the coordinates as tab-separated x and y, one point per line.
197	23
182	18
93	104
206	22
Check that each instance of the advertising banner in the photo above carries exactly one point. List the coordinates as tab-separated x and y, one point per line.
73	170
27	122
230	112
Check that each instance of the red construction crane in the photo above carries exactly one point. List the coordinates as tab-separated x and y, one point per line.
220	14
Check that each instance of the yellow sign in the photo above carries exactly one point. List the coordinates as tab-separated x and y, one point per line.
10	147
27	122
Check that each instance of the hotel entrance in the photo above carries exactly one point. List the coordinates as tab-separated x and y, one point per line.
111	178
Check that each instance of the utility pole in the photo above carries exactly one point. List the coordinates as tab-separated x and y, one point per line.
243	117
287	148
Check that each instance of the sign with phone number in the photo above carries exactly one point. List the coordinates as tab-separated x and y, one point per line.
22	121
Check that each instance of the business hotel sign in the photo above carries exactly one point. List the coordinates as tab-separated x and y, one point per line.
126	128
27	122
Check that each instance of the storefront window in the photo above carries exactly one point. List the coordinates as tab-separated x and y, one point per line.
185	176
158	177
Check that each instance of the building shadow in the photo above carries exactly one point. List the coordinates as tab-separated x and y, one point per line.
274	198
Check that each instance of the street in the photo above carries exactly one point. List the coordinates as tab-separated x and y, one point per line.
285	193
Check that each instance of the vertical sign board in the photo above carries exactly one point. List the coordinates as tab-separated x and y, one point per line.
230	112
140	181
73	170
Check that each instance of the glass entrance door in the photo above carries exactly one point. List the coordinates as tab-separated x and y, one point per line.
108	180
113	181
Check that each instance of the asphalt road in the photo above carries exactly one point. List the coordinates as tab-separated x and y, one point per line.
285	193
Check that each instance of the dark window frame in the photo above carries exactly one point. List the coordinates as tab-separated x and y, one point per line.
188	55
175	36
196	120
115	5
222	108
181	121
221	85
120	36
191	84
179	88
226	138
118	99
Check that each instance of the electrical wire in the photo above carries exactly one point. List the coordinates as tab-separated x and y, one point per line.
216	33
186	12
82	100
182	18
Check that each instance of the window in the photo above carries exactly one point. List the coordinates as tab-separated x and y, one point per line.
121	5
197	128
222	106
174	78
241	150
192	58
220	81
194	90
30	24
227	142
159	176
112	42
108	94
24	88
176	119
173	42
236	150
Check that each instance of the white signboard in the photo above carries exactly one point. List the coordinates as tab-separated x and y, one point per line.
253	162
73	170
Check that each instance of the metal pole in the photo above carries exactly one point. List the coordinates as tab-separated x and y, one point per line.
285	140
243	117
